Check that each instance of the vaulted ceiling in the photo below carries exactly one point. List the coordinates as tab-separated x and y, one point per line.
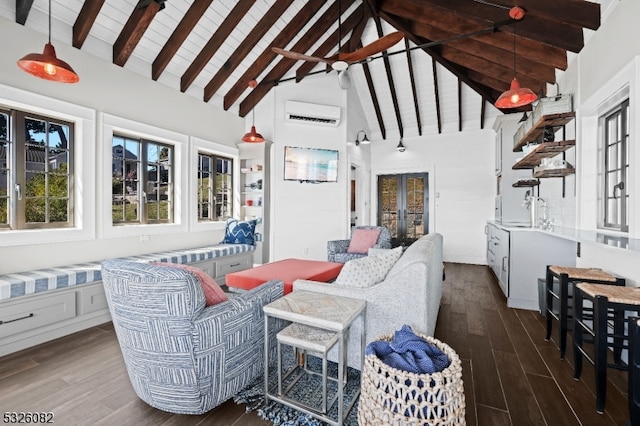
456	58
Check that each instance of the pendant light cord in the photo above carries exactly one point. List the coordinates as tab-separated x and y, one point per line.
49	21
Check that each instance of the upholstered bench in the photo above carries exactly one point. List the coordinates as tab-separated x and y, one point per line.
41	305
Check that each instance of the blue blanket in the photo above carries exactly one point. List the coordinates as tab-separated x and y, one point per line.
409	352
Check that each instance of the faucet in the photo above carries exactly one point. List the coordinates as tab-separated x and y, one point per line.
531	202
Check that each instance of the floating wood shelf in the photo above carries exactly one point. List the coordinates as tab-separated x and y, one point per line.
553	120
551	173
526	183
543	150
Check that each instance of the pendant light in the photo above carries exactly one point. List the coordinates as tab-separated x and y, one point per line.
401	146
46	65
516	96
253	136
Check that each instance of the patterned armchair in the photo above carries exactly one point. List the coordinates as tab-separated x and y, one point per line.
182	356
337	249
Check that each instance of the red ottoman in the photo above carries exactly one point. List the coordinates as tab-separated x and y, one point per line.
287	270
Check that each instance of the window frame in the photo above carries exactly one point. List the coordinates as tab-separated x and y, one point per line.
114	125
84	121
213	177
621	168
143	181
210	147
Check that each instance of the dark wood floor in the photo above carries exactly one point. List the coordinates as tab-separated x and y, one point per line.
512	375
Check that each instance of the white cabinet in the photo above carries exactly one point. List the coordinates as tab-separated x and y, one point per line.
519	257
254	192
498	255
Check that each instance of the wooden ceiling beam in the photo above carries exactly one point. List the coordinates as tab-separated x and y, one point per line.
23	7
459	86
356	34
179	35
259	30
285	36
375	14
402	25
229	24
85	20
538	52
436	93
305	42
414	92
374	98
545	31
478	64
330	42
492	53
569	12
134	29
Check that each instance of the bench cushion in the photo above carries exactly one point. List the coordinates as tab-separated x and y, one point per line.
32	282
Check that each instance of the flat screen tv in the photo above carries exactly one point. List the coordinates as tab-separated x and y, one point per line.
310	164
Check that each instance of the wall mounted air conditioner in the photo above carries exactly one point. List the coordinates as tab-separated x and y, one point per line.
315	114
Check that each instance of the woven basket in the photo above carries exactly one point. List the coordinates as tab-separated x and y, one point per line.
394	397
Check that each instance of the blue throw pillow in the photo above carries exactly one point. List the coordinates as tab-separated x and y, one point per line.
240	232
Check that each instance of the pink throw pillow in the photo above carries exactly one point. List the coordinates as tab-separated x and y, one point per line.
363	239
213	294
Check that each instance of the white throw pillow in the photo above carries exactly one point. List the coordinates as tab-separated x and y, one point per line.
367	271
374	251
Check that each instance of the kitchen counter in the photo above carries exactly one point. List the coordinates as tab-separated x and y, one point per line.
577	235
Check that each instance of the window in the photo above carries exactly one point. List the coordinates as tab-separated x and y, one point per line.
36	171
142	181
615	168
214	187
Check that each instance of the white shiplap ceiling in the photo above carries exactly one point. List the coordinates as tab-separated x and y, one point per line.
459	109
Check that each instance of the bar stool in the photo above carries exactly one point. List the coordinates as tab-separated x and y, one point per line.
566	276
634	371
609	305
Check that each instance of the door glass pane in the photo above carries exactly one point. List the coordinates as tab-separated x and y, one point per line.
389	204
415	207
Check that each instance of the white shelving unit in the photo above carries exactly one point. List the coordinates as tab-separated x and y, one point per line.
254	192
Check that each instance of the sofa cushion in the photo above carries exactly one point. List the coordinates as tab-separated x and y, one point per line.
368	271
363	239
213	293
239	232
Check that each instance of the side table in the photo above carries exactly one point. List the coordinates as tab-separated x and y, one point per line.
327	312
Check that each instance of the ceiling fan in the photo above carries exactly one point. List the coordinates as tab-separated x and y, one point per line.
341	61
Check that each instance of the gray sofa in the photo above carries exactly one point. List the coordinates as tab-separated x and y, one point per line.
409	294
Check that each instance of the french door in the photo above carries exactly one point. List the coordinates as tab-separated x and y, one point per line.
403	206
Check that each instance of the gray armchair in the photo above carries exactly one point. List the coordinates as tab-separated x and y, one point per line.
337	249
182	356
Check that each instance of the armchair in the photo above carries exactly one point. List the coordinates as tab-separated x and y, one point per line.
182	356
337	249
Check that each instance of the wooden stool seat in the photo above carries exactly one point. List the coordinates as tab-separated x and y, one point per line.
566	277
606	327
583	274
626	295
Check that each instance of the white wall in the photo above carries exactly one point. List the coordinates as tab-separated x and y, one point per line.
461	185
605	66
106	88
304	215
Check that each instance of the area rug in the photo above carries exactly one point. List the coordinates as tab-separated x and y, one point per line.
308	390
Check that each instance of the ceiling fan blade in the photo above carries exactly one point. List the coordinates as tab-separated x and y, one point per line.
371	49
299	56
